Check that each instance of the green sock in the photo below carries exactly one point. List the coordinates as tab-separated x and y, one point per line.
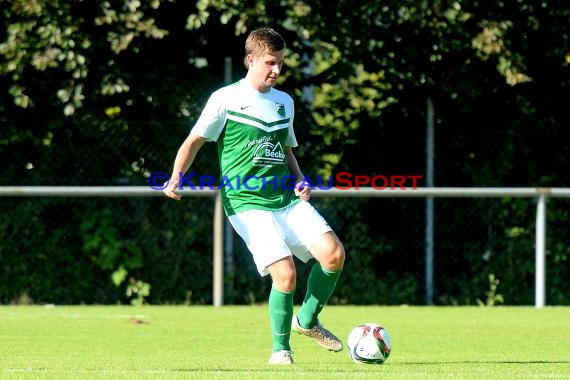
320	286
280	315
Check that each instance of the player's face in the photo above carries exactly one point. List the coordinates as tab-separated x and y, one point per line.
266	69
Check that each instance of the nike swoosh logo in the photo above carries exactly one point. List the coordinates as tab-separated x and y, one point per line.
244	107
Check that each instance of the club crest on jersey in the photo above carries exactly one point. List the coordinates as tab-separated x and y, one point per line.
280	107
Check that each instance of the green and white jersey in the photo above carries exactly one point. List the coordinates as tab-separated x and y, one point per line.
252	130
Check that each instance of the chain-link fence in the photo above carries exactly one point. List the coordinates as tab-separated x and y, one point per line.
71	250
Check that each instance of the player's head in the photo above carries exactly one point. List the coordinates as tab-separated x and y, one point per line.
262	41
264	51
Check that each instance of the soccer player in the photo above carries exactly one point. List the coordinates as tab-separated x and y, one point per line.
263	193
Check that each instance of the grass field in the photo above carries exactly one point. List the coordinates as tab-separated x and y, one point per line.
205	342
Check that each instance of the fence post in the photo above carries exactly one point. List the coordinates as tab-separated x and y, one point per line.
228	266
218	251
429	234
540	251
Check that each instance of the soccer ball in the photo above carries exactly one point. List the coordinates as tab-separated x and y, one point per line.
369	343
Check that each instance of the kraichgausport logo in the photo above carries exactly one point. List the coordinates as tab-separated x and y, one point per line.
340	181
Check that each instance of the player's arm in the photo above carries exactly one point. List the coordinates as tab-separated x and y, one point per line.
184	158
303	192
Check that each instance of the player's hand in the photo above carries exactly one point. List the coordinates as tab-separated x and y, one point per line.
303	190
170	190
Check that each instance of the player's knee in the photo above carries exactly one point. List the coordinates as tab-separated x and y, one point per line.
334	260
284	279
338	257
285	284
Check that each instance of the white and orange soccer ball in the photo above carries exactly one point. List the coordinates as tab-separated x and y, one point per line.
369	343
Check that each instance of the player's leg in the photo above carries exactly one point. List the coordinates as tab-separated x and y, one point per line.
308	231
271	256
329	253
283	275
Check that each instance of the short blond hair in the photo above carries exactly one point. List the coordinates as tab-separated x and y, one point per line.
262	41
